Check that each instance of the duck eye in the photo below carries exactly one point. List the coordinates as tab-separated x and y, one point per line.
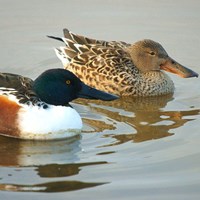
152	53
68	82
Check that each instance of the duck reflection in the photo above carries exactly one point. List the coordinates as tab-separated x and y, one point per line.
57	186
63	170
146	117
49	160
14	152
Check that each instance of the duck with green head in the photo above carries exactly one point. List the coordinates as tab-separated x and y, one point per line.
40	109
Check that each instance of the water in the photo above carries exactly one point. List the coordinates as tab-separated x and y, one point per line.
141	148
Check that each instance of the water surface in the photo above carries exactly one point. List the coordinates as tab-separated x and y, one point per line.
131	148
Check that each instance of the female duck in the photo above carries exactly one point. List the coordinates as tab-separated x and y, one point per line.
40	109
120	68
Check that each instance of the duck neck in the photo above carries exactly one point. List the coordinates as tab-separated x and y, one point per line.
152	83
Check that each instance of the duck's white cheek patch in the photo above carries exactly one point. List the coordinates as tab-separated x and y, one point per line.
55	122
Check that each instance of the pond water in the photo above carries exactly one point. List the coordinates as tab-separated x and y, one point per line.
131	148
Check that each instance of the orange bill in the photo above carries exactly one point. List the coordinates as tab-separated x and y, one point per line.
174	67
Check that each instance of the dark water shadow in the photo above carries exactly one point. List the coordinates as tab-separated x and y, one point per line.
57	186
63	170
147	117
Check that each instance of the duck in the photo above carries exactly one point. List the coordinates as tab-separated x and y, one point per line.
39	109
120	68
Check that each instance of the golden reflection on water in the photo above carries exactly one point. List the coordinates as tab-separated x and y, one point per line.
149	130
148	118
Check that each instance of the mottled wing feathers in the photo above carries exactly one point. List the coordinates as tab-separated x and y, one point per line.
100	64
18	88
15	81
77	45
79	39
80	49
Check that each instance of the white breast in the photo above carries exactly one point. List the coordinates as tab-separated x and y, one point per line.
55	122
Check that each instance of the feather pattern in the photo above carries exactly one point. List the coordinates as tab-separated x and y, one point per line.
119	67
109	67
40	109
19	88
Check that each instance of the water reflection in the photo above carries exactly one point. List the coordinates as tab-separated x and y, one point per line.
63	170
15	152
56	159
58	186
153	129
146	116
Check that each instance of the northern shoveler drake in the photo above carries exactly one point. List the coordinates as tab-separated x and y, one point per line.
120	68
40	109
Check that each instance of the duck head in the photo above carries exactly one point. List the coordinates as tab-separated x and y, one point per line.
148	55
60	86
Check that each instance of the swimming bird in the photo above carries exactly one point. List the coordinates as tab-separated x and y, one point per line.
40	109
120	68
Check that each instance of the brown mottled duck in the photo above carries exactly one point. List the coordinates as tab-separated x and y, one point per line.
120	68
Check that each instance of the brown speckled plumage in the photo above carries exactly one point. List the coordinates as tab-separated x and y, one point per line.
119	67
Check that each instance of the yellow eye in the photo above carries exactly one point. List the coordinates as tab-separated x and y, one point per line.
68	82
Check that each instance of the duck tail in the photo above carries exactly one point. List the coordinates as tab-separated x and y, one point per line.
79	39
75	45
56	38
61	54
